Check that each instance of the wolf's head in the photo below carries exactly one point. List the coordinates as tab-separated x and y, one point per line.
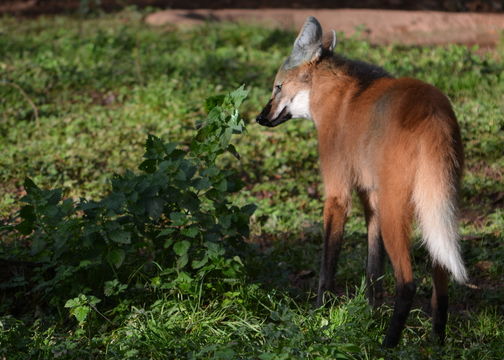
291	89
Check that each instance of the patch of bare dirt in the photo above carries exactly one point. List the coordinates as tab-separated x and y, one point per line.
377	26
37	7
422	22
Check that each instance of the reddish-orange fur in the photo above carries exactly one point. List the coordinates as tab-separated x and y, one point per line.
397	142
353	137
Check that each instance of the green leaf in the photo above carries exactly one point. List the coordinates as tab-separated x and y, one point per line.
233	151
121	237
80	313
155	207
154	148
169	148
72	303
116	257
221	185
165	232
181	176
214	249
178	218
213	101
30	186
184	277
191	232
25	227
114	201
93	300
181	247
149	166
196	264
225	221
225	354
182	261
156	282
54	196
211	171
168	243
249	209
38	244
238	96
201	183
238	260
188	168
113	287
79	306
225	138
190	201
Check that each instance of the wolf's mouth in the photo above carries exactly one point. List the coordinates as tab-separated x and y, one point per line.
281	118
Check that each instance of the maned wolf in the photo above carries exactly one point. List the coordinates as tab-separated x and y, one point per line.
397	142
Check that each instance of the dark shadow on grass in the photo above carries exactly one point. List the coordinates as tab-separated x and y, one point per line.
290	262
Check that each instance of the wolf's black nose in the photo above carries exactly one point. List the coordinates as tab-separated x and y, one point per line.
262	117
263	120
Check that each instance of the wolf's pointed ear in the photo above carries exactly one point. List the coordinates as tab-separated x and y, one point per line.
329	41
308	44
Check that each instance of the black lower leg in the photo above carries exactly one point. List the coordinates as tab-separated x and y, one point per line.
439	317
332	248
402	307
374	271
334	220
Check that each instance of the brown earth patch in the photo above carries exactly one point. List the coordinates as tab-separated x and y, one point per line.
423	22
376	26
37	7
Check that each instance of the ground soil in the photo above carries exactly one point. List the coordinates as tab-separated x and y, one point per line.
377	26
58	6
468	22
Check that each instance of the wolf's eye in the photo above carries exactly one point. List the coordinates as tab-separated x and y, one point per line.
278	88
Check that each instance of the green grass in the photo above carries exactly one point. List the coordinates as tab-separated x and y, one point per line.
77	100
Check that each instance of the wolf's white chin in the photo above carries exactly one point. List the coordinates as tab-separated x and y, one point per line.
299	106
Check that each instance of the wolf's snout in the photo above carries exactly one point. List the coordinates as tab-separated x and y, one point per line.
262	118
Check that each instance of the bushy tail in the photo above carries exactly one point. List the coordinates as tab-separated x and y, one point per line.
436	206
